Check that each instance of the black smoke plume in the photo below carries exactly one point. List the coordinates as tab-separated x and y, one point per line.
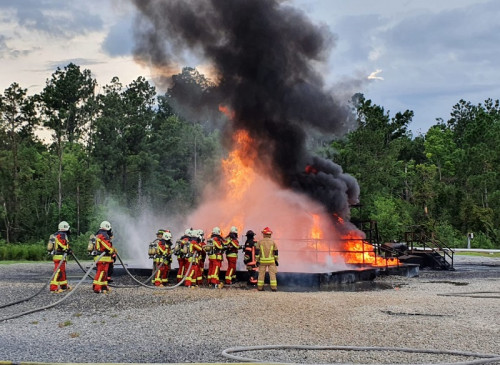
264	53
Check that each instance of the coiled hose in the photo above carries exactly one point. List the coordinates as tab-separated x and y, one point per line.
60	300
41	289
484	358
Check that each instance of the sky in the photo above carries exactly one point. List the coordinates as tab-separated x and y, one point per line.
421	55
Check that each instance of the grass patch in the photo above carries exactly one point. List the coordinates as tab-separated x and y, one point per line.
65	324
480	254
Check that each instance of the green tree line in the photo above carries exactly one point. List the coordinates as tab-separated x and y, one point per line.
446	181
124	143
129	143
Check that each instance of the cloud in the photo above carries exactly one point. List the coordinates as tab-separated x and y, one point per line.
58	18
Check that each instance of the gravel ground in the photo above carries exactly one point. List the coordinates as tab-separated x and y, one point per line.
439	310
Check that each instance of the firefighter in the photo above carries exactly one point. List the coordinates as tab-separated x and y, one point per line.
266	252
60	246
103	244
194	249
181	250
111	268
167	236
249	258
153	248
163	257
232	246
214	249
202	255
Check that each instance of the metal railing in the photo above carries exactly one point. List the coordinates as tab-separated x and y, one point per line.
420	240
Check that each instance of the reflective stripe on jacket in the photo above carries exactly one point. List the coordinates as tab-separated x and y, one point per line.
266	248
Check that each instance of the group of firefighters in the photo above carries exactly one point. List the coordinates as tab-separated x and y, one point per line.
191	251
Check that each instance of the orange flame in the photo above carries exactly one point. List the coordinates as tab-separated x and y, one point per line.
316	230
319	239
359	251
238	168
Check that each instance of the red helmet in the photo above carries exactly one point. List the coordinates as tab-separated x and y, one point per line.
267	231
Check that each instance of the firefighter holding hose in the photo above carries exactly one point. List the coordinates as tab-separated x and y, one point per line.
214	249
103	244
59	246
249	258
194	249
153	246
181	251
232	246
266	252
163	258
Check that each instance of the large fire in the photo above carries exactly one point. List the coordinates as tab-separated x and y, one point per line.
307	236
238	168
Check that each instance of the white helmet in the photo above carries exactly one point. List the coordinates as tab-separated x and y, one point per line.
188	232
216	230
105	225
63	226
167	235
233	229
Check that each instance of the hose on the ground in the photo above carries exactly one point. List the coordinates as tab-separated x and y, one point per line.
121	286
41	289
77	261
60	300
484	358
145	282
472	294
156	287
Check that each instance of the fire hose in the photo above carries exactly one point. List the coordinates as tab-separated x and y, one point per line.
82	279
60	300
121	286
41	289
145	282
484	358
78	262
155	287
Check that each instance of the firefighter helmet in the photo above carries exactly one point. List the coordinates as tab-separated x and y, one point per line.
105	225
189	232
267	231
233	230
160	232
216	230
250	233
63	226
167	235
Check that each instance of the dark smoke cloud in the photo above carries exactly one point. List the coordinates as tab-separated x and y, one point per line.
264	52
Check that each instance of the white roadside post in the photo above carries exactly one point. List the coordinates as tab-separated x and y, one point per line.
470	236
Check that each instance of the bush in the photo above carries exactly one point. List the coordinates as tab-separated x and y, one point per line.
38	251
24	252
482	241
